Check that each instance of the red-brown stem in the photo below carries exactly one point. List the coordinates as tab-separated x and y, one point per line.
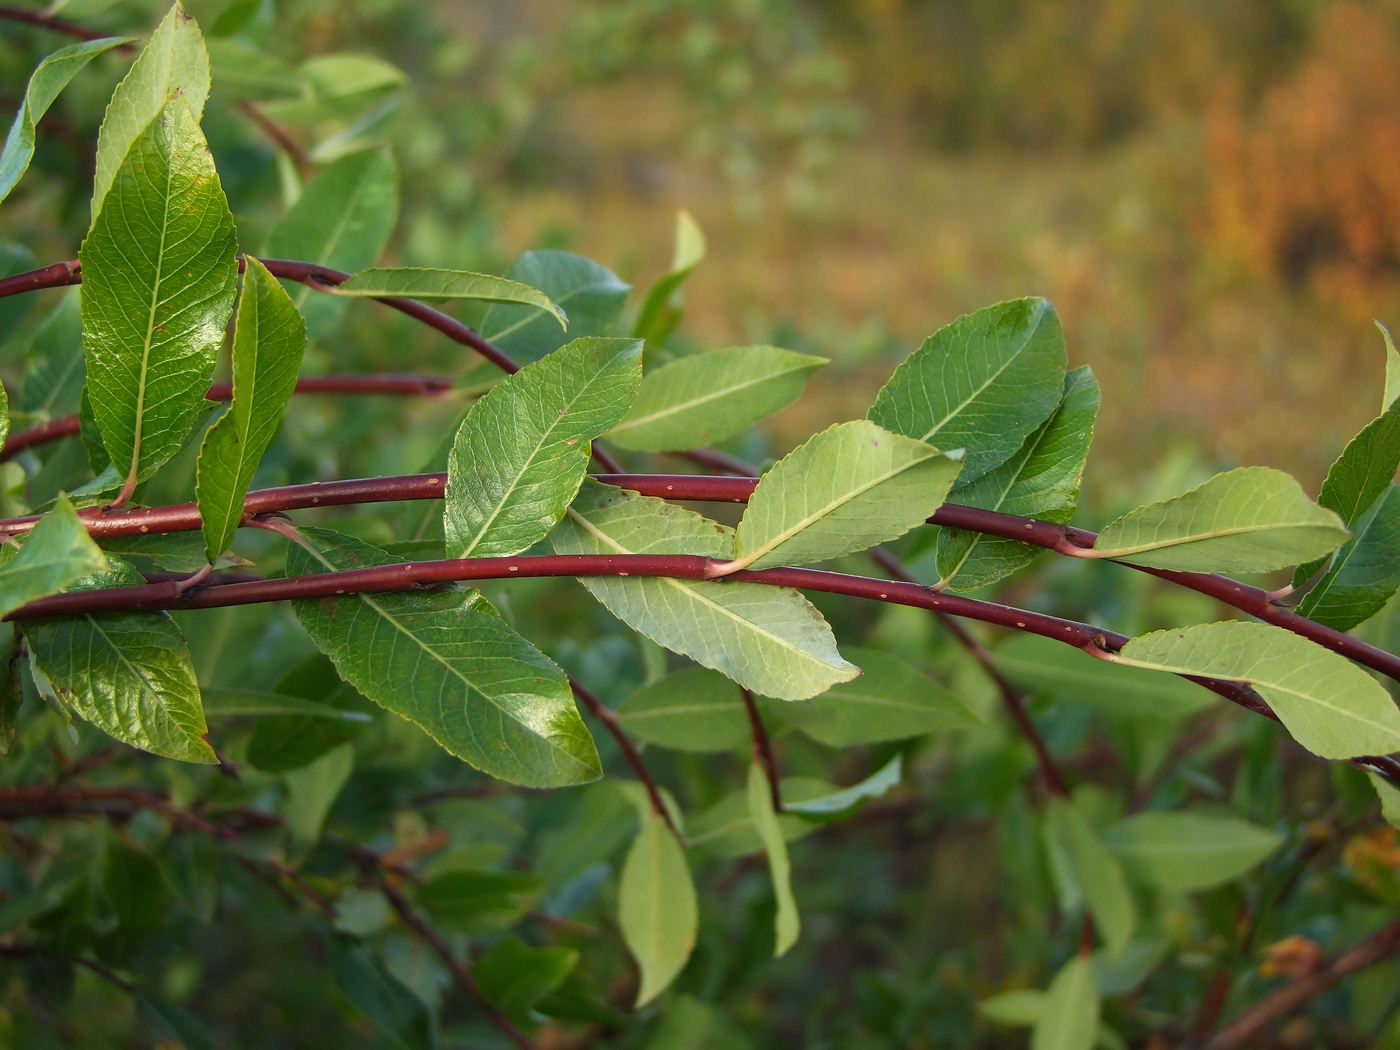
603	713
278	134
58	25
26	951
1217	989
55	430
1299	992
763	749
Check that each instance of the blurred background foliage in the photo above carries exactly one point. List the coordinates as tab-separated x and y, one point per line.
1209	193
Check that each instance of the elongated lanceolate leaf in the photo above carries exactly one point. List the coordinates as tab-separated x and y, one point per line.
769	639
56	553
1040	481
514	977
378	994
590	295
1331	706
1392	369
343	219
1096	873
448	663
1366	571
845	800
852	486
267	346
51	77
657	908
243	703
708	397
787	924
983	383
1188	851
693	710
158	288
129	674
174	60
727	829
1389	796
54	373
1069	1013
1253	519
419	282
889	701
522	450
662	309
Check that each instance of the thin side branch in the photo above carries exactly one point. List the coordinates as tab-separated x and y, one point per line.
58	25
763	749
278	134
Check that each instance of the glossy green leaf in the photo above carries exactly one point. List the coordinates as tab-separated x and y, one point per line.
662	309
1392	369
514	977
846	489
705	398
889	701
1041	480
1366	571
343	219
843	801
657	908
1253	519
1047	667
1069	1017
522	451
158	288
983	383
369	988
692	710
1188	851
590	295
1331	706
787	924
476	902
312	791
173	61
267	345
56	553
1096	872
446	663
418	282
129	674
244	703
54	371
769	639
51	77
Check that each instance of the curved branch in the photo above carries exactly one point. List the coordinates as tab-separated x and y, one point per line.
58	25
604	714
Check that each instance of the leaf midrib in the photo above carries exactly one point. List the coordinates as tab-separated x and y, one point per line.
1011	358
1200	537
705	399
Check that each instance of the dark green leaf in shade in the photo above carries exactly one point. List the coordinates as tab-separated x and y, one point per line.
1366	571
663	307
158	288
692	710
11	686
657	907
283	742
129	674
372	990
173	552
56	553
51	77
1097	874
1365	468
891	700
983	383
1069	1013
1188	851
14	309
513	977
267	346
246	703
447	664
312	790
590	294
1041	480
787	923
476	902
185	1026
522	451
343	219
54	370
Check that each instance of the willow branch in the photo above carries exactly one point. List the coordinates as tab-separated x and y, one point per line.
57	25
279	135
763	749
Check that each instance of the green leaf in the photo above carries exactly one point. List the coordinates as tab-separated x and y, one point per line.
476	902
11	689
692	710
1365	468
1022	1006
1097	873
173	62
522	451
662	309
56	553
1366	572
1069	1018
844	801
343	219
1392	369
1040	481
158	287
1389	794
312	790
846	489
787	924
267	346
420	282
727	829
284	742
514	977
54	373
14	309
889	701
591	295
657	907
242	71
337	87
1047	667
768	639
51	77
242	703
448	663
174	552
1188	851
376	993
982	383
705	398
129	674
1253	519
1331	706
